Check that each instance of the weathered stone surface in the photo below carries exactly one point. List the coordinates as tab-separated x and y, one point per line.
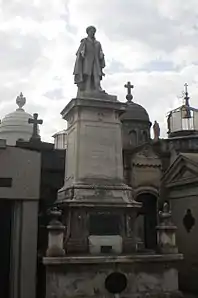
182	190
94	169
147	277
101	95
94	141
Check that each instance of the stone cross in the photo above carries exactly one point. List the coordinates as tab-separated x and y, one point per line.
35	121
129	96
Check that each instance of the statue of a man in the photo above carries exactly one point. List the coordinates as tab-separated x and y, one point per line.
89	63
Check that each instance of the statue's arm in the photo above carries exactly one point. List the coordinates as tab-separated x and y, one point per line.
101	57
81	50
101	53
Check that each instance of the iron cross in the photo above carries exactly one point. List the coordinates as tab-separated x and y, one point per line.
129	96
35	121
186	97
186	87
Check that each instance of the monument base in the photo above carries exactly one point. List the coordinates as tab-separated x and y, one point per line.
102	193
129	276
102	95
77	245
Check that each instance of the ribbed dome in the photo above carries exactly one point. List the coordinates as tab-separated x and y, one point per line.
135	111
15	126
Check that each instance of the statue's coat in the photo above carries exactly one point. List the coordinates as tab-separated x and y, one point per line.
93	61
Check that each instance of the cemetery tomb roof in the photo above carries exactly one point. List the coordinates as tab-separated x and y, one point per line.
15	126
136	112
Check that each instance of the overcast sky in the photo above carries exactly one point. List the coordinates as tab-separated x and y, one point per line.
152	43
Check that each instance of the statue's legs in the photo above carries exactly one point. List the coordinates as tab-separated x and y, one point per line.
88	83
92	83
97	83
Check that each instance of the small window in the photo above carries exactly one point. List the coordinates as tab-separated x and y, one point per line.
144	136
188	221
133	138
5	182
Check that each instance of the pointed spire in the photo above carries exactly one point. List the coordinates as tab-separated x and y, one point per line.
20	101
186	109
186	97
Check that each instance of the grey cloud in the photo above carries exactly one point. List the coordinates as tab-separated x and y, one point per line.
25	9
19	52
116	66
55	94
158	65
143	21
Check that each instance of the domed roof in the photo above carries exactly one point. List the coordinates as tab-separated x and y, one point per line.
135	112
15	126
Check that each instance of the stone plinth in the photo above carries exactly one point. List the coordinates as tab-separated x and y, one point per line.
55	236
94	172
93	95
153	276
94	166
166	230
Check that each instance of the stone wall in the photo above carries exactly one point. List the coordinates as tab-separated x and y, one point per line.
23	167
187	241
155	279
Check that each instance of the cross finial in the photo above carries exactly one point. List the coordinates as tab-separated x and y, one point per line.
35	121
186	97
129	96
186	87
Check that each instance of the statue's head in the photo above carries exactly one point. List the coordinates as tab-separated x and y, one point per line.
91	30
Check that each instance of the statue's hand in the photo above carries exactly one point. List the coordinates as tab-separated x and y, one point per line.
83	54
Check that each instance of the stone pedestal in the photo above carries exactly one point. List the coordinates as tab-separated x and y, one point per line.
94	170
166	230
55	236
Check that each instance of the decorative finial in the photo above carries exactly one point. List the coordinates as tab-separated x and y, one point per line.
186	97
35	121
166	208
55	212
20	101
186	107
165	214
166	232
129	96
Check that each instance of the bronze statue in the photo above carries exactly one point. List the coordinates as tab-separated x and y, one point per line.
89	63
